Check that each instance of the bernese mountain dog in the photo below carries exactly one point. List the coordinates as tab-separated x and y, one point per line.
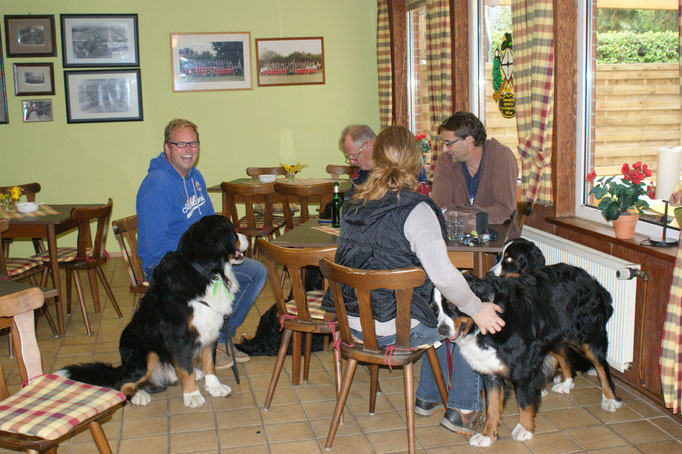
549	310
518	256
178	321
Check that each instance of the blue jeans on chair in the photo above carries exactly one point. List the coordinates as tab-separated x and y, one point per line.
465	385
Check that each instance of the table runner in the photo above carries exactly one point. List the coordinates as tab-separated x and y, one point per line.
43	210
328	229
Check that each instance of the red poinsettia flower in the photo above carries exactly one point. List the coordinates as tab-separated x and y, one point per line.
592	175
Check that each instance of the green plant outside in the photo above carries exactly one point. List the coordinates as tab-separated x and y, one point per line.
631	47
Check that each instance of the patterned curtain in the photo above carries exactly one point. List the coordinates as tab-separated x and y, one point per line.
670	361
439	72
533	35
384	65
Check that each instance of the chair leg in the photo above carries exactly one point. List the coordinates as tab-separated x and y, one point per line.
48	317
69	276
81	300
279	363
341	401
437	374
306	357
108	291
229	347
92	279
373	382
296	358
99	437
408	381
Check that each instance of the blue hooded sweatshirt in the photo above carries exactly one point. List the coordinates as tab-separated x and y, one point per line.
167	204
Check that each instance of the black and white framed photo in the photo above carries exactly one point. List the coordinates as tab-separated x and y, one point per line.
37	110
33	79
30	36
3	93
103	95
98	40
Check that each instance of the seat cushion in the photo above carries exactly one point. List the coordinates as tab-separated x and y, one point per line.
64	254
277	222
17	266
51	405
314	303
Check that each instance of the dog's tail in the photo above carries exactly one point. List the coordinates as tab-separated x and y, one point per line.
98	374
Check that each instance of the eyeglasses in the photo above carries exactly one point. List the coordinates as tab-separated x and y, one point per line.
350	158
449	143
193	144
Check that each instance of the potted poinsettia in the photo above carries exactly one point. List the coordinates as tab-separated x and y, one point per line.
621	197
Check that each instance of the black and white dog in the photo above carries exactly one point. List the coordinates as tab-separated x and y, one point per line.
178	321
547	311
518	256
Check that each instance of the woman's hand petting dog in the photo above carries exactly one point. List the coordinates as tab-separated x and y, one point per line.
487	319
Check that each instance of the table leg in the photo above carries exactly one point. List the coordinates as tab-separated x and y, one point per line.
482	263
54	265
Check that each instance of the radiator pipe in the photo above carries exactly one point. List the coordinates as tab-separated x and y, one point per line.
645	277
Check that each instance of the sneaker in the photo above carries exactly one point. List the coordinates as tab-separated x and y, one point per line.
424	408
469	424
222	359
241	357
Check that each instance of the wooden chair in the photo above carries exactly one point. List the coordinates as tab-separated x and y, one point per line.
368	351
302	315
50	409
87	256
304	194
30	190
125	231
523	210
337	170
253	172
253	225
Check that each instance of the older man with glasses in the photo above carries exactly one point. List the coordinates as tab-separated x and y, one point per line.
171	198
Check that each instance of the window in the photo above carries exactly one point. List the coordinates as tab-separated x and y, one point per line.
628	95
417	89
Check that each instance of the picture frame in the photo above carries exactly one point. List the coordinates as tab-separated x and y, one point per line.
103	95
100	40
290	61
36	110
33	79
4	119
30	36
211	61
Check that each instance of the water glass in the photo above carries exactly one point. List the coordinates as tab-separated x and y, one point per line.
455	225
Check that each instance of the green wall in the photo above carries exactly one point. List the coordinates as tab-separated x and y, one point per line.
87	163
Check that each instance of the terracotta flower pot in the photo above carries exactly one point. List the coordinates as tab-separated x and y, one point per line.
624	226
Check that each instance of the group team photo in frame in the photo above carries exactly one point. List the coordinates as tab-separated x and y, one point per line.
103	95
290	61
211	61
33	79
98	40
30	36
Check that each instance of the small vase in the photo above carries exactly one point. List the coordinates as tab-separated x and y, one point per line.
291	176
624	226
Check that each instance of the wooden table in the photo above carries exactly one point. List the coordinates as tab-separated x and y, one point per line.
49	227
305	235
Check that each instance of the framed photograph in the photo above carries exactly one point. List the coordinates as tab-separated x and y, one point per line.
101	95
211	61
3	93
33	79
290	61
37	110
30	36
96	40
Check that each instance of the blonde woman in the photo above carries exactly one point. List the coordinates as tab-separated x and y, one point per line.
387	224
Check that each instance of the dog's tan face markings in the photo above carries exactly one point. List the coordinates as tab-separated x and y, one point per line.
130	389
463	325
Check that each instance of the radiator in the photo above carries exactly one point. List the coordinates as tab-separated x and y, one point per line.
621	326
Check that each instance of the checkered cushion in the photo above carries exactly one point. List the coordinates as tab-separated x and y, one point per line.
314	302
50	406
277	221
19	266
64	254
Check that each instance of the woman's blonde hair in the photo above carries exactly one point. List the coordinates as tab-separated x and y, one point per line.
396	164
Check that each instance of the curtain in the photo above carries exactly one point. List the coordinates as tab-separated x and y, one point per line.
439	70
670	360
533	44
384	65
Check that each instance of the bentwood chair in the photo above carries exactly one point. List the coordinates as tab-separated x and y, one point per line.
368	351
125	231
253	172
304	194
50	408
30	190
336	171
254	225
302	315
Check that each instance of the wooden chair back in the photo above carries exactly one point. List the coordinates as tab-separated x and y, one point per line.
337	170
523	210
4	226
30	190
304	195
253	172
83	215
125	231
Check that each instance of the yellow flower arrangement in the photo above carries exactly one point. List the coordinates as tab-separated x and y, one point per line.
12	196
293	169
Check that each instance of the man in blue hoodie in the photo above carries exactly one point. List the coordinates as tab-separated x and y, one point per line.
171	198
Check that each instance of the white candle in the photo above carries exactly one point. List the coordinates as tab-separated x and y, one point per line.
668	172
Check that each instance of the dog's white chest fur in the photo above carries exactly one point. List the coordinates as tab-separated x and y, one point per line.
482	360
208	317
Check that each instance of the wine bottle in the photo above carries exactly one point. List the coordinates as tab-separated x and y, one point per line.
336	206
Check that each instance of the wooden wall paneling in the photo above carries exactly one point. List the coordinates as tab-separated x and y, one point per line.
397	13
459	32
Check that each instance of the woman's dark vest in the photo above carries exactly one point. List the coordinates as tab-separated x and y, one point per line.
372	238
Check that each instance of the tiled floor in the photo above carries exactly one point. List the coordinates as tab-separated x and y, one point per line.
299	418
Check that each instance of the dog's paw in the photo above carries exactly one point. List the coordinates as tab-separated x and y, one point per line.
480	441
199	373
193	399
141	398
563	387
610	404
543	393
215	388
521	434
